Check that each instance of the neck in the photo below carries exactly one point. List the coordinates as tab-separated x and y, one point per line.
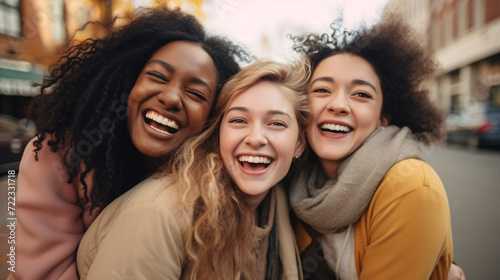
253	202
150	163
330	168
261	211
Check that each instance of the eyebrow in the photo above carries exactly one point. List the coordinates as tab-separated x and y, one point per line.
270	112
363	83
325	79
201	82
171	69
167	66
354	82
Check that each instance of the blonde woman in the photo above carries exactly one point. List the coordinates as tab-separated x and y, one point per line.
216	213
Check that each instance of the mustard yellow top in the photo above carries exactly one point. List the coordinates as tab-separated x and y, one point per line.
406	231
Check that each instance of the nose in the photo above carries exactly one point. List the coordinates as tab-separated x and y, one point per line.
171	97
256	136
339	103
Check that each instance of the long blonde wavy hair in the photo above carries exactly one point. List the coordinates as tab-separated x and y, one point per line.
221	237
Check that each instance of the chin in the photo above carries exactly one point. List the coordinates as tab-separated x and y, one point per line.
252	191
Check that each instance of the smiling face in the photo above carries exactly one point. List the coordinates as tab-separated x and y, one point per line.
171	98
345	99
259	136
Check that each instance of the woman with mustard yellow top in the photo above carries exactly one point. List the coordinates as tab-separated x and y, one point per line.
366	197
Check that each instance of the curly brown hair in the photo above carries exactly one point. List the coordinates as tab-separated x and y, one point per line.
401	63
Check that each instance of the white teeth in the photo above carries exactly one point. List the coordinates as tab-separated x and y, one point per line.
152	115
252	159
161	131
335	127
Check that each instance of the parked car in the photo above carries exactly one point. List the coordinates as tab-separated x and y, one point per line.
14	136
463	128
489	132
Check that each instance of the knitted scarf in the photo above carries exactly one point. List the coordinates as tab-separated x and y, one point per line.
329	205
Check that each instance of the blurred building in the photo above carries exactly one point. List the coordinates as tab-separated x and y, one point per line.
32	31
16	74
464	37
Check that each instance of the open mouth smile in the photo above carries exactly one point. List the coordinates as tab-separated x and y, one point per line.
335	128
161	123
254	162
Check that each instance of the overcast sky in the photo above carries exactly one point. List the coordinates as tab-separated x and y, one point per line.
248	21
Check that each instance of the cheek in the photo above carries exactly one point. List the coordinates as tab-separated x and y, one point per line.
310	130
286	144
370	117
225	144
197	112
135	98
132	109
316	105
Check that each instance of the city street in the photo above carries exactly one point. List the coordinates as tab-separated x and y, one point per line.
472	181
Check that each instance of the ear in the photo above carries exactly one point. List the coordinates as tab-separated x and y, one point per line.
301	145
384	121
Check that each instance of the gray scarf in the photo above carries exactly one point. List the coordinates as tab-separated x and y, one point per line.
329	205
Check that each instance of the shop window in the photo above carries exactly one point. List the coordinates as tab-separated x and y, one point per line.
58	26
10	18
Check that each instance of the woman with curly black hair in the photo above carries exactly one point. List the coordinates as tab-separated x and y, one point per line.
110	113
366	196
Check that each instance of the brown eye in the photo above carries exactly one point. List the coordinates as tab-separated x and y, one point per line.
363	95
278	124
236	121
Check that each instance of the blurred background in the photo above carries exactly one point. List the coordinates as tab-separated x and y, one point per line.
462	34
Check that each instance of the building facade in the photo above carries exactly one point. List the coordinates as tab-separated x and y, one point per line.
31	33
463	35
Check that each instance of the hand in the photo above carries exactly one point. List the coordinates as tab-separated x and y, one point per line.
456	273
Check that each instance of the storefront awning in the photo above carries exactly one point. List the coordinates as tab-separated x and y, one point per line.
17	77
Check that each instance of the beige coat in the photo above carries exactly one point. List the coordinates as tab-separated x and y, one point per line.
141	235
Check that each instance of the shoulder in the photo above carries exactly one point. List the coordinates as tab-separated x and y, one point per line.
47	162
409	175
46	176
153	197
45	154
143	231
152	194
152	207
413	169
410	178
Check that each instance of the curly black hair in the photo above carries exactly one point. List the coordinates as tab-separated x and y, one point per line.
83	99
400	62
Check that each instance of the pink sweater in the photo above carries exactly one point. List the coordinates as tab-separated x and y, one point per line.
52	217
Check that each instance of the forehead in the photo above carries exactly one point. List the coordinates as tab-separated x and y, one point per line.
184	54
349	66
264	96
